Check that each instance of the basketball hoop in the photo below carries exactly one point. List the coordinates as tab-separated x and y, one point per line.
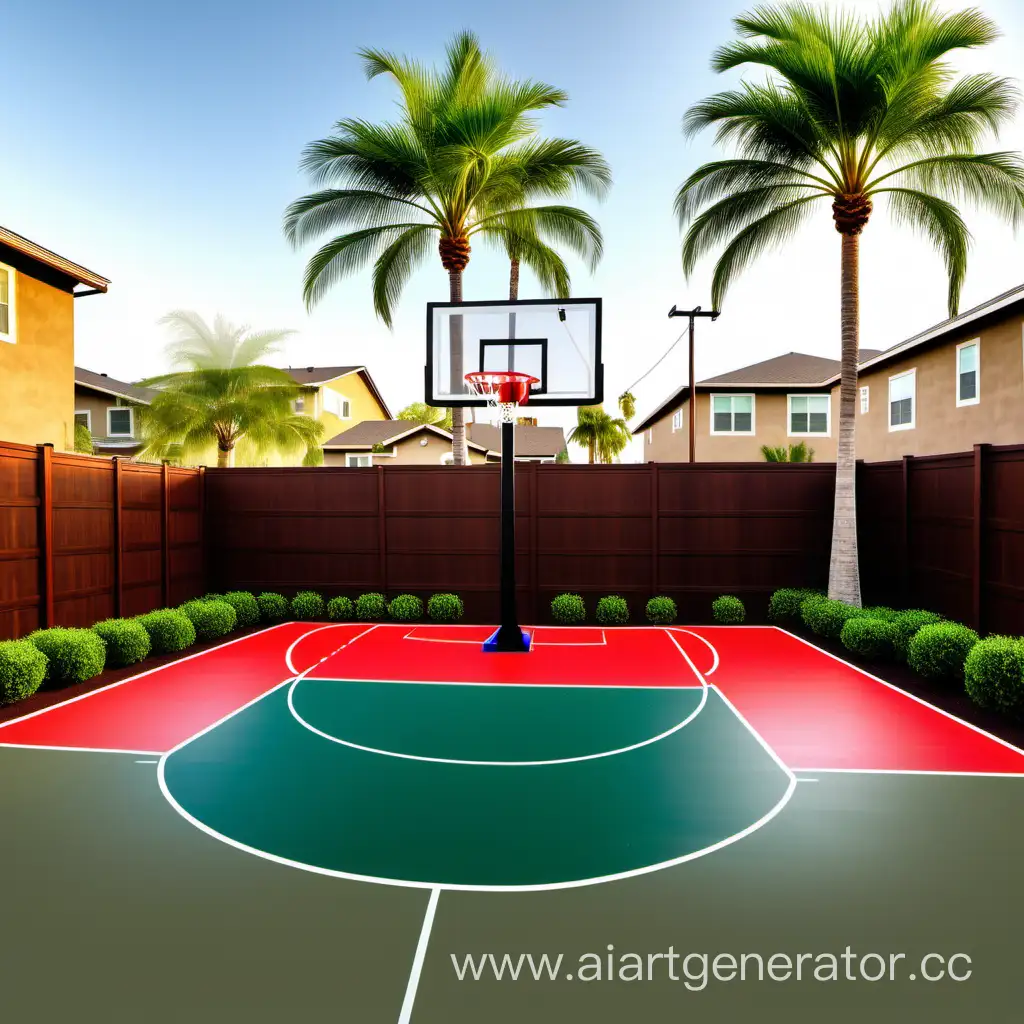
505	390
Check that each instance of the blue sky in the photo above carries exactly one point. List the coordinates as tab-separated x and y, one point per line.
159	145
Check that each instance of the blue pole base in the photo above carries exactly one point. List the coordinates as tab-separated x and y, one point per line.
508	641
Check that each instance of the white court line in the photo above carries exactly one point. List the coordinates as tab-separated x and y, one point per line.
86	750
547	686
460	887
333	625
703	640
603	642
510	764
421	953
131	679
913	771
904	693
157	761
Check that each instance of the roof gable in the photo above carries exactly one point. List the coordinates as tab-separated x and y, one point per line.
110	386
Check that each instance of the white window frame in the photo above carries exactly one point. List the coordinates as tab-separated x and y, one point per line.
87	413
810	433
956	374
913	402
753	414
343	403
677	420
349	464
11	335
865	399
131	420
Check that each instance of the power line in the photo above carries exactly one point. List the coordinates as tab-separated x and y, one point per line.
659	362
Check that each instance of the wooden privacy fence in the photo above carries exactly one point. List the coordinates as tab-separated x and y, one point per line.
84	538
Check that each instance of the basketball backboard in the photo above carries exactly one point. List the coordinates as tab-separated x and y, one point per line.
558	341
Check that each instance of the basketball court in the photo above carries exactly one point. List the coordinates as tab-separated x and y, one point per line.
316	819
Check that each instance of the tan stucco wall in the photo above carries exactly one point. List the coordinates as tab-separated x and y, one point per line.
411	453
770	427
37	372
940	425
97	405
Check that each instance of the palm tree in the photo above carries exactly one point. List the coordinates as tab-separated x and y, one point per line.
456	164
851	111
420	412
627	405
603	436
223	394
798	452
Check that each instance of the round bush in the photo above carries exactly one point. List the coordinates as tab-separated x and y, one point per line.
212	597
273	607
169	631
869	636
371	607
340	609
307	605
938	651
827	617
612	611
661	611
994	674
907	624
784	604
880	611
247	611
445	608
728	610
212	619
126	639
22	670
72	655
406	608
568	609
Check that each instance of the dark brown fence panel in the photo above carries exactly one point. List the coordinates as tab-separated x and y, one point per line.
187	577
881	533
20	554
1002	539
142	530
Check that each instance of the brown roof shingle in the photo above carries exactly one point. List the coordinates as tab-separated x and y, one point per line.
531	442
109	385
320	374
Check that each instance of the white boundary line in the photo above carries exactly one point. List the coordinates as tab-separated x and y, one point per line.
87	750
912	771
319	629
458	887
704	640
603	642
905	693
511	764
421	954
131	679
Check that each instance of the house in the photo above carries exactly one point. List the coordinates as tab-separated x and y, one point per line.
38	290
109	409
533	443
340	396
776	402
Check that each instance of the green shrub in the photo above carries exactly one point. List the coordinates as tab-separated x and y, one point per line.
869	636
169	631
445	608
340	609
273	607
72	655
307	605
212	597
126	639
880	611
728	610
247	610
22	670
939	650
994	674
371	607
612	611
406	608
661	611
784	604
212	619
907	624
568	609
827	617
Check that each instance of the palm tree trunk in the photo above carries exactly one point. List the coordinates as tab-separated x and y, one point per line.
591	451
223	458
459	450
844	569
513	279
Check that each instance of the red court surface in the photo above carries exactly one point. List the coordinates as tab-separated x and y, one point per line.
814	711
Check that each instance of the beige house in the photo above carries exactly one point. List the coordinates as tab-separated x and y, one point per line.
109	410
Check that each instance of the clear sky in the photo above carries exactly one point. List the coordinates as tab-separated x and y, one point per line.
158	144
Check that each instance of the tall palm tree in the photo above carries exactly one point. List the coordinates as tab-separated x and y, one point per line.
851	111
603	436
222	393
420	412
454	165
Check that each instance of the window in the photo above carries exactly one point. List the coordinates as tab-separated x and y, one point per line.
299	405
84	416
7	304
119	422
810	414
358	461
677	420
732	414
865	394
968	367
902	389
336	405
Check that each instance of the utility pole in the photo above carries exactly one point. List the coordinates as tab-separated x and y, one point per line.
693	314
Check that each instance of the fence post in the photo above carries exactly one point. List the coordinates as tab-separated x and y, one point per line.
118	539
203	562
165	531
534	562
382	532
655	533
905	533
45	528
978	538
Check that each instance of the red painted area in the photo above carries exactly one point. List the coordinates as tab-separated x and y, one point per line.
817	712
631	657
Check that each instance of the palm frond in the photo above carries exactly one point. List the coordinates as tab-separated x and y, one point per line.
395	265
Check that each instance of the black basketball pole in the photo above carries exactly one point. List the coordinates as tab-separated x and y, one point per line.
510	636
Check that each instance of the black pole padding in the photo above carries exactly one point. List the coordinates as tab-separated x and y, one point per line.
510	636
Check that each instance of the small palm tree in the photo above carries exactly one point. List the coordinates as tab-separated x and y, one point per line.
852	111
457	164
420	412
223	394
798	452
603	436
627	405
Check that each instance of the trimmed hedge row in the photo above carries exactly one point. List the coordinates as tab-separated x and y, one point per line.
613	610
